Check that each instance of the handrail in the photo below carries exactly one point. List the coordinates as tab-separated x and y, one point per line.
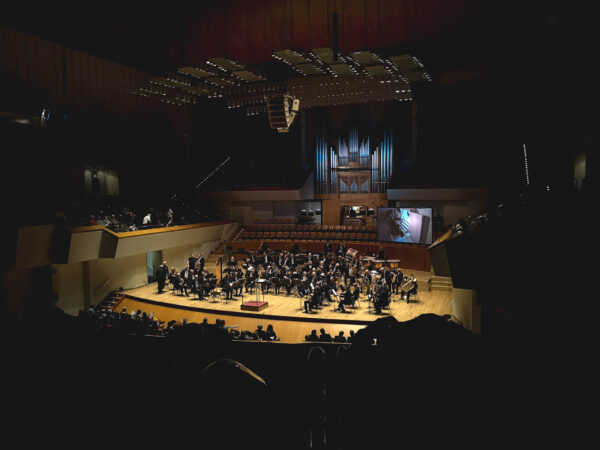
127	234
101	286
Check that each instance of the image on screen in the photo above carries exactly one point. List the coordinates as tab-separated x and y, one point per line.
410	225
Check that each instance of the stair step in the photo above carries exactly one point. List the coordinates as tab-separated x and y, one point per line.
440	278
441	288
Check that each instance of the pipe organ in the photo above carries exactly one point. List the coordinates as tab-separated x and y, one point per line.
352	166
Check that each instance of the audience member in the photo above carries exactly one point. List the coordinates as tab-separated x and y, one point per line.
324	337
340	337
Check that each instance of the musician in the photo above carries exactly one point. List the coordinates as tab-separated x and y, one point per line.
278	279
201	260
192	262
197	287
185	273
263	247
173	277
250	276
367	279
413	289
381	254
345	298
382	297
327	247
294	249
269	273
314	302
355	294
397	282
226	286
237	283
161	276
388	275
286	260
350	273
181	285
287	280
341	249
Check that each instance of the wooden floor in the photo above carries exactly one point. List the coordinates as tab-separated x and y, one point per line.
291	324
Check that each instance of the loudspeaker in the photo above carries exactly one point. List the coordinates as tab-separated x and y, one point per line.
278	111
282	111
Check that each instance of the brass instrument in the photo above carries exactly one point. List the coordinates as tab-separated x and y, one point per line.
408	285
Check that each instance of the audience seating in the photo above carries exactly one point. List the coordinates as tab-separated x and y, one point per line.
361	237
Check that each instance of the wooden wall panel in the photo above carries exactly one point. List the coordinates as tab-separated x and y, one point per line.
354	24
109	85
21	57
411	29
279	24
48	71
68	76
299	23
391	22
53	82
77	81
32	78
85	82
11	53
318	23
237	31
372	18
275	25
100	89
41	68
92	88
257	33
35	68
120	81
3	63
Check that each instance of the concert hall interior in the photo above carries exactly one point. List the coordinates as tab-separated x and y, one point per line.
301	224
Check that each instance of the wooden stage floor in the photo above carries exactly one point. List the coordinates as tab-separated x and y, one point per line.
283	311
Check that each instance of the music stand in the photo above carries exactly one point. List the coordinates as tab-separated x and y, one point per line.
336	295
214	294
260	291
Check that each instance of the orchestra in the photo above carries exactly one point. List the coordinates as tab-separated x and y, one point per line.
311	276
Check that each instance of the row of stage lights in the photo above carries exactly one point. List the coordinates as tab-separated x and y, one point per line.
254	94
256	110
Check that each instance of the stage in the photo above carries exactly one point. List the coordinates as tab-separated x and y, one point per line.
286	311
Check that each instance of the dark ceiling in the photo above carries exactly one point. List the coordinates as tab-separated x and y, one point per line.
465	35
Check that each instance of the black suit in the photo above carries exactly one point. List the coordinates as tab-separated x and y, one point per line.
161	277
325	338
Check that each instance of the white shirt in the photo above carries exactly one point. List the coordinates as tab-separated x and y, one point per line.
147	219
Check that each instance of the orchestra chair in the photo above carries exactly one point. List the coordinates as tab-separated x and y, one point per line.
416	295
388	307
215	294
334	302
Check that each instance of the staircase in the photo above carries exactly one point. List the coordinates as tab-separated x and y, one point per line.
110	301
441	283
